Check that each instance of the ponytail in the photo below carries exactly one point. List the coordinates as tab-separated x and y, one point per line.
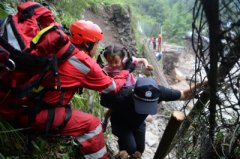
107	50
128	53
99	59
113	50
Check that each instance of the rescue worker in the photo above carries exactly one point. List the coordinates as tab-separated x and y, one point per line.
52	111
159	43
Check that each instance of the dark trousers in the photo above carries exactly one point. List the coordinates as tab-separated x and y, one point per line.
131	140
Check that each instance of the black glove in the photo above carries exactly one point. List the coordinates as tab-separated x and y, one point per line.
129	65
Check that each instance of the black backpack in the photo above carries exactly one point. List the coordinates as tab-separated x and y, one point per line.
117	101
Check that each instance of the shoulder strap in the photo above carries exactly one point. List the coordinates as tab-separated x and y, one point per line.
9	47
12	35
42	32
28	12
23	59
67	54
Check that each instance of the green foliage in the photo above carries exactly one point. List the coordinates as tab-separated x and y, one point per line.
41	147
147	25
8	7
177	23
13	138
150	15
152	8
14	144
174	17
88	102
71	10
108	2
135	26
51	147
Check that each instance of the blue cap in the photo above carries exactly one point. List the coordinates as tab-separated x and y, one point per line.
146	95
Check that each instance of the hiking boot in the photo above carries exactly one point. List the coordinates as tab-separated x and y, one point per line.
136	155
122	155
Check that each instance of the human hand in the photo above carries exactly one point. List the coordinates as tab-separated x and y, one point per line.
149	67
189	93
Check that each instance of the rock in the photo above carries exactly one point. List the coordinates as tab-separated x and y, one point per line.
151	139
149	119
178	75
120	30
183	84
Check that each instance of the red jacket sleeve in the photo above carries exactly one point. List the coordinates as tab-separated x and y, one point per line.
98	80
82	71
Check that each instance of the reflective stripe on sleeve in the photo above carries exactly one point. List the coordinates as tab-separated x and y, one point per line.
98	154
11	38
90	134
111	88
79	65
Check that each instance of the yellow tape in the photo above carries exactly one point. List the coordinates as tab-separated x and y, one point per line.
39	35
37	90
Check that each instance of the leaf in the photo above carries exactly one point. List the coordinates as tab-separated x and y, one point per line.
35	145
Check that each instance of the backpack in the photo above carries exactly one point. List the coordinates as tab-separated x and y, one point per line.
32	46
118	101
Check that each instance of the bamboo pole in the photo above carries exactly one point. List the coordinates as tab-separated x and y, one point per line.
172	127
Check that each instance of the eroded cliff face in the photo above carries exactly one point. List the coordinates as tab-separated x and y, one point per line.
116	24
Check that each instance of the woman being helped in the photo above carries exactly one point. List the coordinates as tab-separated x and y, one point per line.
128	115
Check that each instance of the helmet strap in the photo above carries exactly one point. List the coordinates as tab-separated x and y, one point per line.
87	46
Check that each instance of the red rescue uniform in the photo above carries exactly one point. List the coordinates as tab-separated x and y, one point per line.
79	71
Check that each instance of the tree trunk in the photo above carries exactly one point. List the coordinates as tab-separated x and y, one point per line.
172	127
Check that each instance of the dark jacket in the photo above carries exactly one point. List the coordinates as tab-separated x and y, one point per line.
123	112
